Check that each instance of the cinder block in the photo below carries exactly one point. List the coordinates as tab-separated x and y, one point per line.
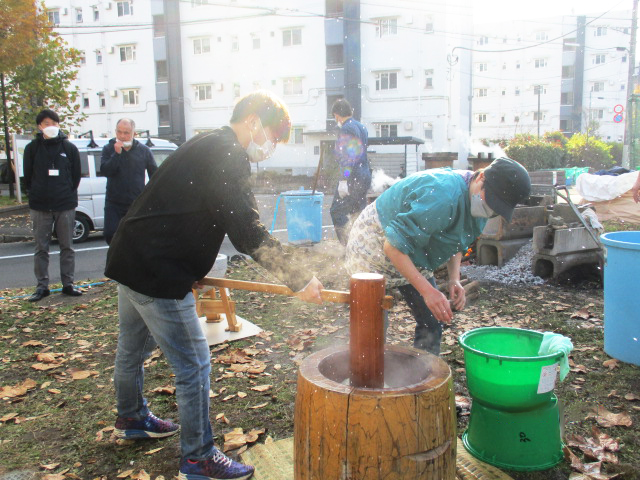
497	252
551	241
521	226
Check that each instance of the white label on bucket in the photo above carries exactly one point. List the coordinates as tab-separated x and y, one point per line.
548	377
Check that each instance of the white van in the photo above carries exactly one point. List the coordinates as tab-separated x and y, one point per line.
93	186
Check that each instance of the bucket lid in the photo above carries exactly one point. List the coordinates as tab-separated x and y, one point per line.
292	193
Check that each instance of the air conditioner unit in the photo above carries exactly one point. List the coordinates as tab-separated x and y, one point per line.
113	93
408	73
112	49
65	11
107	6
612	82
409	19
408	125
219	87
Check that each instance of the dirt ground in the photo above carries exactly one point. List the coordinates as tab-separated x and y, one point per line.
57	398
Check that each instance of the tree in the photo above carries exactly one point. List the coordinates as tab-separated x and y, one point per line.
36	68
589	152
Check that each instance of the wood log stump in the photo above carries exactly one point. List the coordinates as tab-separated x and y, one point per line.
404	431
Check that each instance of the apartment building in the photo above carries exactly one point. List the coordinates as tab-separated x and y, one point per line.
177	67
566	73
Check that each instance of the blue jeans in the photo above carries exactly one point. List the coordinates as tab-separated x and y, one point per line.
173	325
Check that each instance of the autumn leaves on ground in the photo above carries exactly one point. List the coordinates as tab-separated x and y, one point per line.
57	397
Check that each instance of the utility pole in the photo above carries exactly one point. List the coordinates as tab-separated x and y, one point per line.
538	88
630	86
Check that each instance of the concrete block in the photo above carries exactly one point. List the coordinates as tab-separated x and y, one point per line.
523	221
552	266
497	252
552	241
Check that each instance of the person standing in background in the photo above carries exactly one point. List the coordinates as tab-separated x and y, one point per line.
350	196
636	189
52	175
124	162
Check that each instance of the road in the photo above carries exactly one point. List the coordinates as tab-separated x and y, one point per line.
16	259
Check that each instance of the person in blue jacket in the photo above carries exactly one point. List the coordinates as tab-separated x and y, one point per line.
124	162
424	221
350	196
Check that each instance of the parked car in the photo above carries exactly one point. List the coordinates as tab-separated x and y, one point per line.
93	186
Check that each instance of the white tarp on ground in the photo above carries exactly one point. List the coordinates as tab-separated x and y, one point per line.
610	195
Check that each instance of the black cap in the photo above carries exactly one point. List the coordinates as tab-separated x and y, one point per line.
506	184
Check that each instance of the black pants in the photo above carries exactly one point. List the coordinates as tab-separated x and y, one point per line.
428	330
113	213
351	204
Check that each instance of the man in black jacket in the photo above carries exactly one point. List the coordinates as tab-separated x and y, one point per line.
124	162
52	175
169	240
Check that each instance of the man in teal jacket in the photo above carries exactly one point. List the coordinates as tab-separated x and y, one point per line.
424	221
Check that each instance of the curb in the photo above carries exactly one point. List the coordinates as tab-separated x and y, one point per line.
15	238
7	211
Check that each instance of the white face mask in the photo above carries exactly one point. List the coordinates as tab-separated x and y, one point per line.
51	132
127	144
258	153
479	207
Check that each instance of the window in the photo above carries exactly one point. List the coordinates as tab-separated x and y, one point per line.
236	90
159	29
516	119
504	66
203	92
235	46
597	114
83	57
540	62
296	136
85	100
483	40
162	71
481	118
538	116
481	92
78	15
429	25
481	67
517	91
600	31
386	130
624	59
569	44
201	45
504	92
334	8
568	71
542	36
598	87
566	98
291	36
164	116
428	79
130	97
566	125
292	86
539	90
54	17
199	3
125	8
428	130
503	118
96	14
128	53
335	56
98	57
255	42
600	59
101	100
622	86
517	64
386	81
386	27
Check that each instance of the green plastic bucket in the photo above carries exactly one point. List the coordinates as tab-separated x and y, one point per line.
504	370
522	441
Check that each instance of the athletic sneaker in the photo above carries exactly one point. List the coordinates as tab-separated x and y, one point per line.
149	427
218	467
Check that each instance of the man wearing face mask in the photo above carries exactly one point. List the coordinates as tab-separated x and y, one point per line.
169	240
52	175
124	162
426	220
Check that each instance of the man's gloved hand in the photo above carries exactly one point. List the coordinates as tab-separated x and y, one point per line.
343	188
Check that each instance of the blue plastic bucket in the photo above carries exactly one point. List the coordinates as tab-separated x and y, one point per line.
621	299
304	215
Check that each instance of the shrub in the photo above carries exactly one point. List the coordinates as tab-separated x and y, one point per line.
590	152
534	153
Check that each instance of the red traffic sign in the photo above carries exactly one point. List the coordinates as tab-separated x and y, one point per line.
618	108
618	118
